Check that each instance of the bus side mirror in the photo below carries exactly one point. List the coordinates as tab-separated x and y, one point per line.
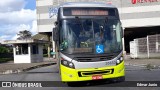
55	23
55	34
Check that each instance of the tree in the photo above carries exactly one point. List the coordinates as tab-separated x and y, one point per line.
24	35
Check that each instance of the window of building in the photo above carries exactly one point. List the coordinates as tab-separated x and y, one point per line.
22	49
34	49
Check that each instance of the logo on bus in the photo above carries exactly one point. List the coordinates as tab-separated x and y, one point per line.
143	1
99	49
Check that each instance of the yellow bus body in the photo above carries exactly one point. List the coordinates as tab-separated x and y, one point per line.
71	75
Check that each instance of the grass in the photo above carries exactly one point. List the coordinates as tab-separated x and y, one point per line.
2	60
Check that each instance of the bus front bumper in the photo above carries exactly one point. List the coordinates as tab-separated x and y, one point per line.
108	72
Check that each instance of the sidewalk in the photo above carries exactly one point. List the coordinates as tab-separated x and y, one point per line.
11	67
143	62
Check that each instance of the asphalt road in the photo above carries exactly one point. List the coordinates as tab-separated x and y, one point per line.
133	73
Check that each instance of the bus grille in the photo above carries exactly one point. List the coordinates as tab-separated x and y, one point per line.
94	58
90	73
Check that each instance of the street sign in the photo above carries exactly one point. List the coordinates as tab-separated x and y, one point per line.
53	11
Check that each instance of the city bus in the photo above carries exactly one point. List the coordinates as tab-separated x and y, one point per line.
88	39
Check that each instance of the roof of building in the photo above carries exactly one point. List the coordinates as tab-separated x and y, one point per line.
86	4
24	41
38	38
41	37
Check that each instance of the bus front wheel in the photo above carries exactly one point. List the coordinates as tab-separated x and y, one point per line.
119	79
71	84
75	84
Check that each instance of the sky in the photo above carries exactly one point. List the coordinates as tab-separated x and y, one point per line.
15	16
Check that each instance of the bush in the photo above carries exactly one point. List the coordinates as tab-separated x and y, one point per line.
3	49
5	59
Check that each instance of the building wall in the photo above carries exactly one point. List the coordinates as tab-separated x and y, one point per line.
140	14
29	58
37	57
44	21
133	13
21	58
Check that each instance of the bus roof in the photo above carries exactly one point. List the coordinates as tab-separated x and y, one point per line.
86	4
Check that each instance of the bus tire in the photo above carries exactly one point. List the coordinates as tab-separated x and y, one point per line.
121	79
71	84
75	84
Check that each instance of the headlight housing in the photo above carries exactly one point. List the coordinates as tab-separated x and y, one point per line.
67	64
119	60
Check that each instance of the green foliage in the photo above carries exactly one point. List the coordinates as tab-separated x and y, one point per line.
6	54
24	35
2	60
3	49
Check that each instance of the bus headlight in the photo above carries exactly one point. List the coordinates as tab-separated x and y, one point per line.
119	60
67	64
71	65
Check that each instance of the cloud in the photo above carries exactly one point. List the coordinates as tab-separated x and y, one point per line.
11	5
14	37
10	33
2	38
14	18
34	27
17	17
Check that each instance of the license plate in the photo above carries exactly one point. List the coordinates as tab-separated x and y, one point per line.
96	77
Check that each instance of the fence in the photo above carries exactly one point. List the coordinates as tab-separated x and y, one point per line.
147	47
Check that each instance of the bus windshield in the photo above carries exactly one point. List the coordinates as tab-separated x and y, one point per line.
86	35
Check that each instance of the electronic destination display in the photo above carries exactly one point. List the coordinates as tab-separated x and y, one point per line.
88	12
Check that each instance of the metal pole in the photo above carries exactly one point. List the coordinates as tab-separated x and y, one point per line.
148	46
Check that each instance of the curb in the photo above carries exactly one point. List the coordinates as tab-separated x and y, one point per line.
26	69
153	67
140	65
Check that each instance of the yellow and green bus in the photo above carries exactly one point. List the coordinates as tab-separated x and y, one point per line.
88	38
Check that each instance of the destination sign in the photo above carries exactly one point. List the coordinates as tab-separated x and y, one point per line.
88	12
